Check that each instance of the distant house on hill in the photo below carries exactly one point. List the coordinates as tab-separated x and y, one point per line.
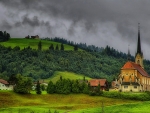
27	37
41	82
35	37
95	82
4	85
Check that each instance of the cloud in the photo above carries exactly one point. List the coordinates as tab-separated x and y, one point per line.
97	22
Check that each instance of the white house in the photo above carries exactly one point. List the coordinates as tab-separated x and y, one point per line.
4	85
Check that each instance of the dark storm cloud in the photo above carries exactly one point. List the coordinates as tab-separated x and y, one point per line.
33	22
91	21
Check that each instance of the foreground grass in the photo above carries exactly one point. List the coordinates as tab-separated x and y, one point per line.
74	103
22	43
66	75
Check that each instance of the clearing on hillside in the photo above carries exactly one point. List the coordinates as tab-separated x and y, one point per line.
33	43
66	75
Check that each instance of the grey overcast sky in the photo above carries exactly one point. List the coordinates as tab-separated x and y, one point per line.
97	22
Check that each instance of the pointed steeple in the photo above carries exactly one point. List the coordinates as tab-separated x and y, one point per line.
139	54
139	41
128	57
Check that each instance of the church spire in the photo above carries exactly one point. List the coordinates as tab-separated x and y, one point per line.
139	54
129	56
139	41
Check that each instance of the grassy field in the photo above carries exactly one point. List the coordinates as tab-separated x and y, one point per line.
72	103
22	42
66	75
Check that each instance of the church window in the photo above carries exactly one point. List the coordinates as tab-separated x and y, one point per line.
138	62
125	86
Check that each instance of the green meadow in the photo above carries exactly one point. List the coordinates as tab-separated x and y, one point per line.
11	102
33	43
66	75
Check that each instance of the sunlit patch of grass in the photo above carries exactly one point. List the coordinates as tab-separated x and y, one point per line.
66	75
33	43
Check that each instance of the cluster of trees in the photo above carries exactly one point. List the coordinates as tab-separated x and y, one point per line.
51	47
4	36
67	86
21	84
79	45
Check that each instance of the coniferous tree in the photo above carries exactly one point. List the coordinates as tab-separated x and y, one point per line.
22	85
51	87
62	47
38	88
85	88
75	87
40	45
51	47
57	48
75	48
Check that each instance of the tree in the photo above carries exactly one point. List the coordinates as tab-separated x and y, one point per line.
57	48
62	47
40	45
75	87
7	36
85	88
51	47
51	87
75	48
38	88
43	87
23	84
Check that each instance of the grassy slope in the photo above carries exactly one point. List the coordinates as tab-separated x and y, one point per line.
66	74
75	103
22	42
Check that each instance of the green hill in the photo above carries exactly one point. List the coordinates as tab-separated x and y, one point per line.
66	75
22	43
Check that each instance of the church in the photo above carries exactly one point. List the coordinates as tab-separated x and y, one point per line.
133	77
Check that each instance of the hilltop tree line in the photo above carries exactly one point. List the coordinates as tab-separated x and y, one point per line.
4	36
110	51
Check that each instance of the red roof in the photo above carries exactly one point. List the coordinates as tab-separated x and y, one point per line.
132	65
3	81
96	82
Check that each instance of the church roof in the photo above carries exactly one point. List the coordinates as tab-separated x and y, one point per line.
132	65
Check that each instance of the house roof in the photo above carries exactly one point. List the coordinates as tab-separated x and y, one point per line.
3	81
132	65
96	82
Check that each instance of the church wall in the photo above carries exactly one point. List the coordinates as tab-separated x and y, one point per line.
128	75
130	88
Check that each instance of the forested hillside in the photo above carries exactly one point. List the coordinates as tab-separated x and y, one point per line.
43	63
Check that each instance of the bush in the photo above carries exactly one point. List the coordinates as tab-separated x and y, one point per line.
145	96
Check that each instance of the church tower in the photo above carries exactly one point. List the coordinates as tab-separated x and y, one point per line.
139	53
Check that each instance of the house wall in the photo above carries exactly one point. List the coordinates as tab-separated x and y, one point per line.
5	87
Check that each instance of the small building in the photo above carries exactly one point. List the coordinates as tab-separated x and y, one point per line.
114	84
4	85
35	37
95	82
